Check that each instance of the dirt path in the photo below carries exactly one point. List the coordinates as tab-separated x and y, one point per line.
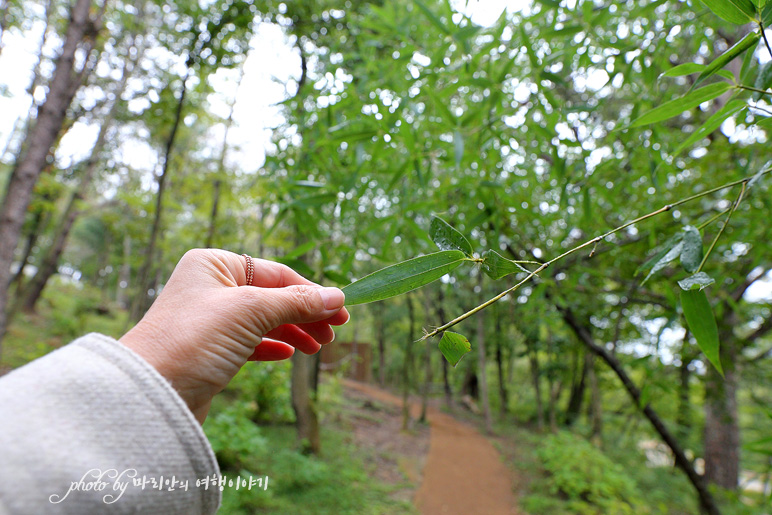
463	474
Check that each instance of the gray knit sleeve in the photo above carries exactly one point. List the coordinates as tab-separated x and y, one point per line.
93	428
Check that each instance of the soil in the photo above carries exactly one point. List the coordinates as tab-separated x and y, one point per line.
462	473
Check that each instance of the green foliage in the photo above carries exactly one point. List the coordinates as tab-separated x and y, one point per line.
403	277
454	346
591	481
702	324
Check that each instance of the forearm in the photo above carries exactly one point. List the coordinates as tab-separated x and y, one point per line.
92	409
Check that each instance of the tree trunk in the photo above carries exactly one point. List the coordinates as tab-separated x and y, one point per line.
481	363
707	502
36	75
142	300
380	334
124	276
445	381
217	183
722	431
39	221
50	262
596	407
684	416
533	361
406	363
307	421
576	399
51	114
429	349
503	393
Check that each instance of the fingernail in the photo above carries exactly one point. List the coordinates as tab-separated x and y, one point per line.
332	298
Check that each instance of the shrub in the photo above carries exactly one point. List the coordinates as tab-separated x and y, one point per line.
590	481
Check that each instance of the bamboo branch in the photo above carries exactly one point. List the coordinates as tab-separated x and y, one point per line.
593	241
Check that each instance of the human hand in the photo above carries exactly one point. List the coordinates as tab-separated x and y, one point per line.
206	323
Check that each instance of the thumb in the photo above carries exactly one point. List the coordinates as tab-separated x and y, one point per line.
296	304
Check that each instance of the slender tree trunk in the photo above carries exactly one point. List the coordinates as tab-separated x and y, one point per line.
39	221
722	431
596	406
380	334
707	502
684	416
142	300
48	124
574	408
217	183
307	421
445	381
482	365
429	349
406	363
533	361
503	393
124	276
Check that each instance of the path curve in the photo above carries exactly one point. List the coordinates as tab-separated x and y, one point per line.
464	474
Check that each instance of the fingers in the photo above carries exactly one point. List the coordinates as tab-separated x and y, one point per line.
297	338
297	304
339	318
271	350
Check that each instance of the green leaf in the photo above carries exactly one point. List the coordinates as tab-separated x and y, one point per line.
738	48
702	324
733	11
448	238
432	17
664	258
767	166
497	266
453	346
691	253
403	277
766	15
700	280
299	251
711	124
763	79
684	69
679	105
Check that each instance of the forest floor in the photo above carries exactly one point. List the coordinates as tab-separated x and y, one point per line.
462	472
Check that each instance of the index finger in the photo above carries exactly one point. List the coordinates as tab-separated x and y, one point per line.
269	274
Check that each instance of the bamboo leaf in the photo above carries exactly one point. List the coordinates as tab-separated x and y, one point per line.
679	105
691	253
711	124
454	346
684	69
432	17
403	277
446	237
497	266
664	258
702	324
700	280
738	48
763	79
767	166
733	11
299	251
